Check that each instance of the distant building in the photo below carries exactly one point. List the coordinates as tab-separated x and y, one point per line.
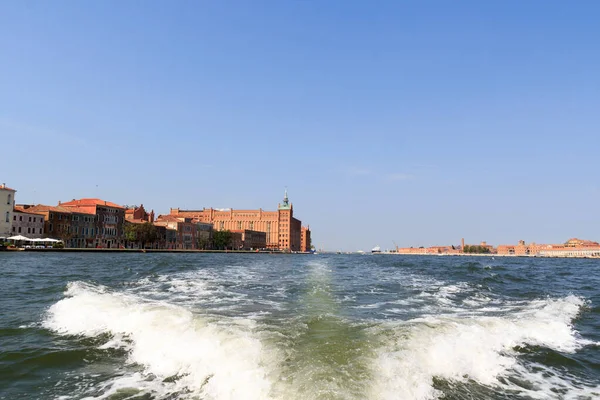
76	228
109	220
28	224
250	240
305	240
7	203
282	230
181	232
572	248
135	213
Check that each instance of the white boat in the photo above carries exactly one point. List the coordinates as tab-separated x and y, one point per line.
376	249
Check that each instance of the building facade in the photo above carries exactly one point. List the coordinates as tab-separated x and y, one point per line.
135	213
181	232
305	240
7	204
27	223
109	219
77	229
250	240
281	229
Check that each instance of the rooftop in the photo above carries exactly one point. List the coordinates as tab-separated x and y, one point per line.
90	202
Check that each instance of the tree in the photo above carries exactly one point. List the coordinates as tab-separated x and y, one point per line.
140	233
146	233
222	239
203	243
130	232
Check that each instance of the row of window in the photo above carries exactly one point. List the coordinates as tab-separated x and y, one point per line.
21	218
29	230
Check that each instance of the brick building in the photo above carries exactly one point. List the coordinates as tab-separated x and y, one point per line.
109	220
135	213
305	240
76	228
282	230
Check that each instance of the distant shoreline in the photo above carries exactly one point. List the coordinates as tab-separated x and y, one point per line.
95	250
484	255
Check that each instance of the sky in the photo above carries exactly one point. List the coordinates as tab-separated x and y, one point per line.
414	123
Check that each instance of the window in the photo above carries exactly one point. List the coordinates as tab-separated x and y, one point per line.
14	228
51	216
28	230
7	216
14	218
251	225
41	231
50	228
9	198
29	219
19	229
20	218
239	225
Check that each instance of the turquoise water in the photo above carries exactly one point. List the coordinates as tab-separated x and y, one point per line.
261	326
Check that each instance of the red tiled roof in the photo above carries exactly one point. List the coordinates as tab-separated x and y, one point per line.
43	208
25	211
7	188
169	218
90	202
136	221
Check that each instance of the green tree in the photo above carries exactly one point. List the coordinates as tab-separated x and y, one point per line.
130	232
146	233
140	233
222	240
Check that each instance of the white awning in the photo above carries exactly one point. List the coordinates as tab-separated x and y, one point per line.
19	237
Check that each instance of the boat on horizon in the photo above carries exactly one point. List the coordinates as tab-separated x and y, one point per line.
376	249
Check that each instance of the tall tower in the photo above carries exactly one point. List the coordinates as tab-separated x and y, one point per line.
286	202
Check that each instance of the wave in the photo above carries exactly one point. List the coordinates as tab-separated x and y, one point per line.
480	349
177	354
180	352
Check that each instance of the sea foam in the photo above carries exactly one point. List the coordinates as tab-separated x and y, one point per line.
479	348
179	351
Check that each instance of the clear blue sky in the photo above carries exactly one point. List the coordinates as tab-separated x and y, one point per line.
416	122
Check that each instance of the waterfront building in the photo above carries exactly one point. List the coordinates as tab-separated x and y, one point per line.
249	240
185	231
282	230
109	219
572	248
204	235
305	240
27	223
76	228
7	204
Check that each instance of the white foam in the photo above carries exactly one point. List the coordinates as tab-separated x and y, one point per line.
479	348
214	360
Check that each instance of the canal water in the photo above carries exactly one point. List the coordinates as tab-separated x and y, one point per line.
269	326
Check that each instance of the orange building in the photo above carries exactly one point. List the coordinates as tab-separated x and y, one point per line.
109	219
305	240
571	248
138	214
283	231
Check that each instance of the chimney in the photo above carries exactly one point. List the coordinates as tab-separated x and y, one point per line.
59	202
3	185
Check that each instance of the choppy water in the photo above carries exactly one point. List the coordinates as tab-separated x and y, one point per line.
201	326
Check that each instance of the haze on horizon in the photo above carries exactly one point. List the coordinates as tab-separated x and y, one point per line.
412	122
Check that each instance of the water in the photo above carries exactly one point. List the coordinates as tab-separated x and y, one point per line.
224	326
